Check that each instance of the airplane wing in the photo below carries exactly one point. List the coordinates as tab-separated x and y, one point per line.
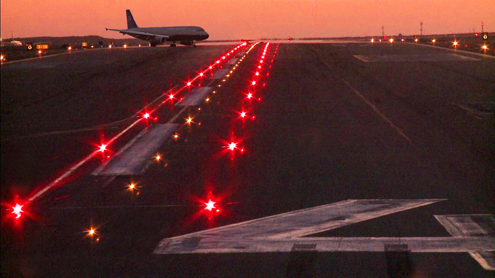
139	34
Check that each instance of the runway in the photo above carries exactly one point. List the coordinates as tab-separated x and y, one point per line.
283	159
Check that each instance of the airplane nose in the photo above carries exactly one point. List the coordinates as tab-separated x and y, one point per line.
206	35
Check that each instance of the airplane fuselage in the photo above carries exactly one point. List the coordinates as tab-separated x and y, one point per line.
174	34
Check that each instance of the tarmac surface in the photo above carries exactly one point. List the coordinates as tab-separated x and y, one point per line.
393	144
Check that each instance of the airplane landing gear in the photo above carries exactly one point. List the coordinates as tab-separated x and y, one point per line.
173	45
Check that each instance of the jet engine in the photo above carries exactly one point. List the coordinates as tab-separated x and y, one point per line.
158	40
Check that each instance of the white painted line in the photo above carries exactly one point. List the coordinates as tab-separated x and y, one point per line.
195	97
392	125
454	50
220	74
413	58
472	225
296	224
240	54
61	177
79	164
325	244
362	58
116	207
98	127
53	55
131	160
233	61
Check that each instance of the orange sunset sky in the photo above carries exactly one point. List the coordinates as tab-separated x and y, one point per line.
250	19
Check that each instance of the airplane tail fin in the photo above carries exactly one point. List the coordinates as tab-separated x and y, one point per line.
130	20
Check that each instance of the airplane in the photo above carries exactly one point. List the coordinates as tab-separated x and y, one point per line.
16	43
12	42
186	35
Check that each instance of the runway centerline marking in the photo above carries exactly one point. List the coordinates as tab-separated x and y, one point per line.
377	111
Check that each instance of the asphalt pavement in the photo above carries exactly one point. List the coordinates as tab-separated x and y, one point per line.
395	144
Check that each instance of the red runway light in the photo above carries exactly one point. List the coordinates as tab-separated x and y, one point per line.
249	95
257	73
188	83
232	146
253	83
146	115
210	205
201	74
171	96
243	114
17	210
102	148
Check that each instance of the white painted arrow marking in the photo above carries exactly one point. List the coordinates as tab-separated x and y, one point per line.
473	225
291	225
285	233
